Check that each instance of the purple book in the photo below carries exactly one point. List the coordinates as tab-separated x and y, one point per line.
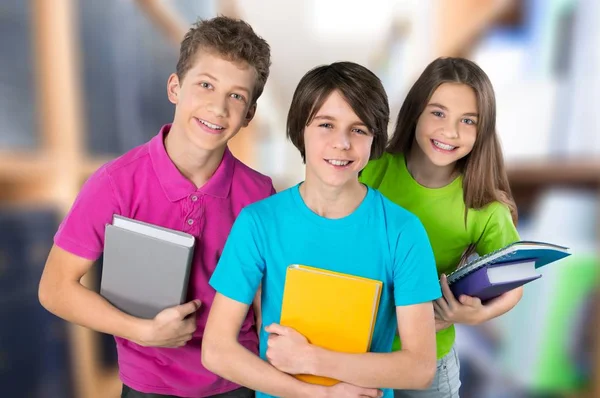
493	280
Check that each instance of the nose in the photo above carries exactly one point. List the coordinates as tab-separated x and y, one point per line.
341	141
451	130
218	106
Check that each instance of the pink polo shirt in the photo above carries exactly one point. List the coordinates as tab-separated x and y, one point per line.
144	184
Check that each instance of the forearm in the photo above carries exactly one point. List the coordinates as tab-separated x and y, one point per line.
234	362
75	303
398	370
502	304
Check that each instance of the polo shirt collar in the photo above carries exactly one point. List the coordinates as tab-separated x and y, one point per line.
175	185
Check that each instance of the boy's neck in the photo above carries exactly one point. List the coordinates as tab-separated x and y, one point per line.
332	202
195	164
425	172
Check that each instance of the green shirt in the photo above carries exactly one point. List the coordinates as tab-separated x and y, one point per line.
442	213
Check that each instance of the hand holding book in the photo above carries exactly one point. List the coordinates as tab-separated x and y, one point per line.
172	327
291	353
288	350
464	309
504	270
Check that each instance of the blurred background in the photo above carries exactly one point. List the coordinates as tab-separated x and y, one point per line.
83	81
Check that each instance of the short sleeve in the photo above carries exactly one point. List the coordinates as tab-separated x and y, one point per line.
415	275
82	230
241	267
497	230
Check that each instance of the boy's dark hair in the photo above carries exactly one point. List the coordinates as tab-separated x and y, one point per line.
358	85
233	39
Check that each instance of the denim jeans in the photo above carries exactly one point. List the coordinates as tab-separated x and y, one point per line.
445	384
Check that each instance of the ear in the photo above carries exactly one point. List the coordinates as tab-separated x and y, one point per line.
249	115
173	88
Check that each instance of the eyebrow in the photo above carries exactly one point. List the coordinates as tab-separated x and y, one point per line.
215	79
331	118
435	104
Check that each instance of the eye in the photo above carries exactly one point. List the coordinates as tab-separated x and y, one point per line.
359	131
238	97
470	122
205	85
326	125
437	114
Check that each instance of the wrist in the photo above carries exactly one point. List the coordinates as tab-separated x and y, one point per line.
140	331
306	390
484	315
317	391
312	360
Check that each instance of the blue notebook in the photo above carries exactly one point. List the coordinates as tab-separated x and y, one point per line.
491	275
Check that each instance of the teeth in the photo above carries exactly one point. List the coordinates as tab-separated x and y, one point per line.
443	146
212	126
339	162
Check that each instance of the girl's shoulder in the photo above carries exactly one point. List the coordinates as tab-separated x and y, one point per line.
492	227
376	169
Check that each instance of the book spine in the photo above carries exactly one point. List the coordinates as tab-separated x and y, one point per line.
472	284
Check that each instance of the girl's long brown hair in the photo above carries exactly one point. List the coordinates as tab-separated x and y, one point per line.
484	175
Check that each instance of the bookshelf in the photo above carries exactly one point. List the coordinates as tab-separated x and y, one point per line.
52	174
528	180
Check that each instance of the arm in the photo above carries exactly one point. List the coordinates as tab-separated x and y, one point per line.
61	292
411	368
222	354
497	232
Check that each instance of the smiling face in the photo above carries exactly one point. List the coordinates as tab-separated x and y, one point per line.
213	101
447	128
337	144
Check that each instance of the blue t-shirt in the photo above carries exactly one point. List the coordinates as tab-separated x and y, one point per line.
379	240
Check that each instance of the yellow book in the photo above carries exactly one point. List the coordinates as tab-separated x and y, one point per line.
332	310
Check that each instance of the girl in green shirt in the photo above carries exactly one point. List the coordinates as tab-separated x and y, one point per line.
444	164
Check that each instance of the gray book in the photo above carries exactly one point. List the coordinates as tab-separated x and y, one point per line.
146	267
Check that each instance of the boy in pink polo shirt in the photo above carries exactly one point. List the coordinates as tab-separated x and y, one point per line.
186	179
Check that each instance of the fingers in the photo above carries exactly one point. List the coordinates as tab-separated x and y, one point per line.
438	313
277	329
470	301
441	307
371	392
448	295
188	308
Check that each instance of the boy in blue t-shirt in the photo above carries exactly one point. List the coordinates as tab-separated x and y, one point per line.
338	120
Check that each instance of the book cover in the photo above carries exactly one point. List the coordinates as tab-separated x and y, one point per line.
145	267
489	282
525	257
332	310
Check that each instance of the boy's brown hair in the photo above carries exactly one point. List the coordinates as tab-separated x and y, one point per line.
360	87
233	39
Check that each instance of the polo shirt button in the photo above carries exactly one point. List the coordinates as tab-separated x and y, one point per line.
194	198
190	221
